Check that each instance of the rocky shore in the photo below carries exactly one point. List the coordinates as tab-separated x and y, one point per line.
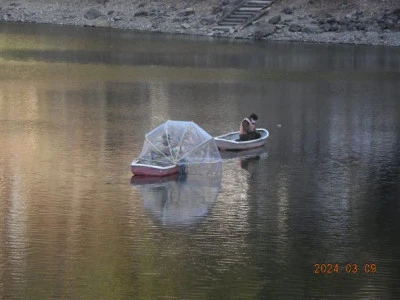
372	22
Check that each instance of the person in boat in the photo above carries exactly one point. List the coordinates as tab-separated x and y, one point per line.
163	149
167	149
169	146
247	130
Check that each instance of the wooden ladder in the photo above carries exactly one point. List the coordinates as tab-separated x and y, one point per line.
243	15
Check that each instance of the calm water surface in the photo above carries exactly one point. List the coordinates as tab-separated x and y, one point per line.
75	104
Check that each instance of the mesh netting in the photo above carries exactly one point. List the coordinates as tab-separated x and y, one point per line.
183	143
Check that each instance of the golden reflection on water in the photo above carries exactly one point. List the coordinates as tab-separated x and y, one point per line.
52	152
283	207
233	206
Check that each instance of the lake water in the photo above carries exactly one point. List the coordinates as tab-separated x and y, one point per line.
75	104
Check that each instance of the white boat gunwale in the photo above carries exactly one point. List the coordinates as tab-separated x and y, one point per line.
224	143
221	137
135	163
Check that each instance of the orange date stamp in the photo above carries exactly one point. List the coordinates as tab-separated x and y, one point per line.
348	268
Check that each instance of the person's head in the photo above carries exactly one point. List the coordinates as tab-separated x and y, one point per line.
253	118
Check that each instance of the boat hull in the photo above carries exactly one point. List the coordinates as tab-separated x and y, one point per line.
137	180
230	141
150	170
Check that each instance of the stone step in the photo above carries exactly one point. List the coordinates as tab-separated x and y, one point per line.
242	16
230	19
253	6
263	3
231	24
223	28
243	13
234	15
249	9
238	17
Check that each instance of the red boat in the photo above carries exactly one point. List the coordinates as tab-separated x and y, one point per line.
143	169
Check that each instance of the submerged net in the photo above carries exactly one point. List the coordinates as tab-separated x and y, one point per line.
183	143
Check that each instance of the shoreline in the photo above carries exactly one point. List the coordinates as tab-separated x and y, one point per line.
287	21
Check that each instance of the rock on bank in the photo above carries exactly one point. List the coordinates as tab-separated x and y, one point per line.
373	22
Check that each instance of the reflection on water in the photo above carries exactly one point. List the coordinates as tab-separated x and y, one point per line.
246	158
181	200
245	154
74	109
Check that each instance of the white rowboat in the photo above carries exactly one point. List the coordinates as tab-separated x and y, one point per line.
230	141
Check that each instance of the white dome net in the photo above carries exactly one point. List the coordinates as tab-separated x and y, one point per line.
183	143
